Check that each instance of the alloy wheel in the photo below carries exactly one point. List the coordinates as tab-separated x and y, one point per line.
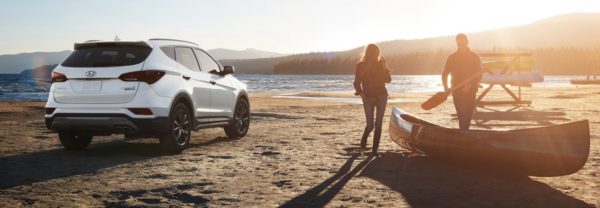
242	118
181	127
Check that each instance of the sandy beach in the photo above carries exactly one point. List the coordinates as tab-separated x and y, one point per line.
299	152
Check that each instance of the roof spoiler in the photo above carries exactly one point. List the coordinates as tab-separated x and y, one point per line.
94	44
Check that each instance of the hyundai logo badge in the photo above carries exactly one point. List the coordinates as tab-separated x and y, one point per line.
90	73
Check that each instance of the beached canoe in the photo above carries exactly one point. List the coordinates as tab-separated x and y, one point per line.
545	151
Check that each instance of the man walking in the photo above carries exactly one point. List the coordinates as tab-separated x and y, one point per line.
464	66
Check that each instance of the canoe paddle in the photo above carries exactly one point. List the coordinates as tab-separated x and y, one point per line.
441	97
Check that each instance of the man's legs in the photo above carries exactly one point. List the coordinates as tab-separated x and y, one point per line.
464	103
470	106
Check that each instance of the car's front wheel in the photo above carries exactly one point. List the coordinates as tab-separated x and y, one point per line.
178	136
241	120
74	141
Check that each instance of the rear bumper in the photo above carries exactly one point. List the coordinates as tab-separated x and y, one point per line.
107	124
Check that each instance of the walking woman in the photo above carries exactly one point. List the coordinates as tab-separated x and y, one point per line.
369	82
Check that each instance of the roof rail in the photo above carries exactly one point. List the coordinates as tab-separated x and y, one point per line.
173	40
89	41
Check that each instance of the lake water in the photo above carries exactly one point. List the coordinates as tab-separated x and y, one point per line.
18	87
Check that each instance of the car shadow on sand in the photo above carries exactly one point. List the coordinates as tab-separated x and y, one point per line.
424	182
28	168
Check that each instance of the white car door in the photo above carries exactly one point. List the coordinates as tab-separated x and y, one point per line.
198	82
223	94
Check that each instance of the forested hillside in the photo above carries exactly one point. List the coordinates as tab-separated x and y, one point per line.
550	61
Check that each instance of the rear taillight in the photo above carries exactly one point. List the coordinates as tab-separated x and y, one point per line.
141	111
50	110
58	77
148	76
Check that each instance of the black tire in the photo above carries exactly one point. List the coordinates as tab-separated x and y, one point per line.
74	141
240	124
178	136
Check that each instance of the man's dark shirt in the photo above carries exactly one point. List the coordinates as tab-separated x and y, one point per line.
461	65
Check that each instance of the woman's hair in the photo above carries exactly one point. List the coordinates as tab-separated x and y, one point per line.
372	53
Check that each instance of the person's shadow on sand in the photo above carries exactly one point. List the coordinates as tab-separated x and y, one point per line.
28	168
424	182
320	195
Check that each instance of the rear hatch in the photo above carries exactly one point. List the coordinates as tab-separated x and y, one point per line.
93	69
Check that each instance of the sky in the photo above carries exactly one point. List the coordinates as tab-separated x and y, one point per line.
285	26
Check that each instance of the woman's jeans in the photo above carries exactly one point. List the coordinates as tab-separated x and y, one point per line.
370	104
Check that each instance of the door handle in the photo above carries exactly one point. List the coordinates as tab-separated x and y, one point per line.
185	77
212	82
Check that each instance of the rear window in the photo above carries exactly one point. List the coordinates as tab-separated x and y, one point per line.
107	56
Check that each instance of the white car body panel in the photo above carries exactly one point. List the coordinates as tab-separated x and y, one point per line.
106	94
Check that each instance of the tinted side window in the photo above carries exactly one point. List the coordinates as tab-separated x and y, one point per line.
206	62
106	56
169	51
186	57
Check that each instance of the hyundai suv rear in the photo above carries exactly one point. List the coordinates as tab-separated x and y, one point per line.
157	88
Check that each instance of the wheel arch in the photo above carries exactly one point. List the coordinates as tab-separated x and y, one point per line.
185	99
243	95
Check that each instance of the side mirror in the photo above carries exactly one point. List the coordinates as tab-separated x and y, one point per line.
227	70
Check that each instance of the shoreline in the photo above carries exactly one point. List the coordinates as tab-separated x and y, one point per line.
302	95
308	83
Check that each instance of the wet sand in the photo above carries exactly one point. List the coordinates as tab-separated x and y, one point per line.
299	153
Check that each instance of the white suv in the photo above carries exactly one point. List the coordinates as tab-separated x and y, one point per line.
157	88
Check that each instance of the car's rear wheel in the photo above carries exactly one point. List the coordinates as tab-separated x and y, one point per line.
178	136
74	141
241	120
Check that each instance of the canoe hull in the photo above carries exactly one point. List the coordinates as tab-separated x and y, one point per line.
546	151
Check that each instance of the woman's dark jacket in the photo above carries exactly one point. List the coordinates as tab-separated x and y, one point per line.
370	79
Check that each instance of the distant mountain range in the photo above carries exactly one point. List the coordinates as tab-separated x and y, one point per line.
250	53
41	73
16	63
562	44
579	30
